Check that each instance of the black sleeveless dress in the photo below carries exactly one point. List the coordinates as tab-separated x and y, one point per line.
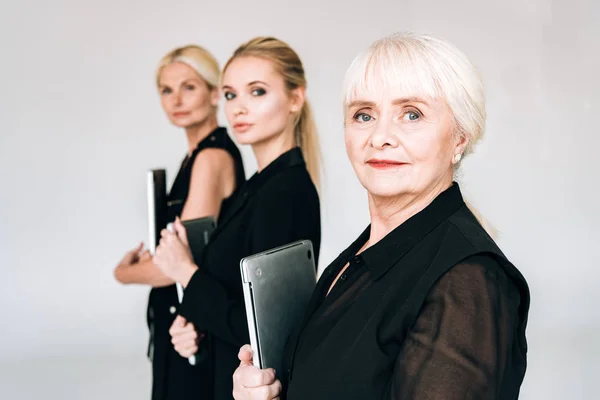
172	375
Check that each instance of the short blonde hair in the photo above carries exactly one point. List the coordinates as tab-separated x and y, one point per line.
422	65
195	57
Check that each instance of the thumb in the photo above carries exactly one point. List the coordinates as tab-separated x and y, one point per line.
181	232
180	320
245	354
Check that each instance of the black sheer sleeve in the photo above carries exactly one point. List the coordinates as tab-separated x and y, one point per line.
460	344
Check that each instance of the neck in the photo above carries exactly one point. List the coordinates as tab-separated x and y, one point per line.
268	151
388	213
198	132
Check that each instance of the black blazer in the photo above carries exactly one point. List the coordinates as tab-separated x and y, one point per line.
432	311
277	206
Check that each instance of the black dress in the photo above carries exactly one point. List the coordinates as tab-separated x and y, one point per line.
277	206
173	377
432	311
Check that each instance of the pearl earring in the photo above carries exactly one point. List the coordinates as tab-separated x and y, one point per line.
457	158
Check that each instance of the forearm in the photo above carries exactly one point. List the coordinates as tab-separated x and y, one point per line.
144	273
208	305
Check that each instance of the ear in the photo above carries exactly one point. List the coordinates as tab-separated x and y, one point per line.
297	99
461	144
215	95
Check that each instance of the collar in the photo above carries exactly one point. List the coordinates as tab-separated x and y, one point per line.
290	158
384	254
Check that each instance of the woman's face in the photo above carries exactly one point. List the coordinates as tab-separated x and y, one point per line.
401	145
258	106
185	97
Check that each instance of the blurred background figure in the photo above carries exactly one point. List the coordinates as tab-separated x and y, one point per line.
187	80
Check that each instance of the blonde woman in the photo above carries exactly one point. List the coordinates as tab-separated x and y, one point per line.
423	305
187	80
265	102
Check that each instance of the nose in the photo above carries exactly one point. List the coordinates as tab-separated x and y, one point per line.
240	109
383	136
176	99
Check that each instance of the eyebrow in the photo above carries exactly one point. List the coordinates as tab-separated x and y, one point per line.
402	100
188	80
249	84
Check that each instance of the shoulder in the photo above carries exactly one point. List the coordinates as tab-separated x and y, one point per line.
292	183
477	275
469	232
212	159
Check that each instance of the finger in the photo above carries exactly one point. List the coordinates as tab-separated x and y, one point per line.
178	331
268	392
190	348
185	337
189	352
145	255
252	377
245	353
181	232
187	349
177	325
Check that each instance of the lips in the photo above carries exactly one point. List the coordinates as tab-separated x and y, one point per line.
242	127
384	164
180	114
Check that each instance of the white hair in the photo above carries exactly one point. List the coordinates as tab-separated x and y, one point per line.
422	66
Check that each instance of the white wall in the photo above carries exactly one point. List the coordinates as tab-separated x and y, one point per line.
80	124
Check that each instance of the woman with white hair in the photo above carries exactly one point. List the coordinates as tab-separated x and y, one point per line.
423	305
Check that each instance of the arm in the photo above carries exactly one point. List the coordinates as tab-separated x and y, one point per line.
144	272
207	303
137	267
459	345
212	181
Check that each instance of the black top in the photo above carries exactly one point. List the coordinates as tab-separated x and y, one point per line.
173	377
432	311
277	206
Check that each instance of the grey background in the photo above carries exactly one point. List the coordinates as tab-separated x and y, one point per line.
81	123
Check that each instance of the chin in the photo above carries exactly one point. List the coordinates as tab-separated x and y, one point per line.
380	186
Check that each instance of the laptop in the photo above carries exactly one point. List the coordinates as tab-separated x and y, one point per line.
278	285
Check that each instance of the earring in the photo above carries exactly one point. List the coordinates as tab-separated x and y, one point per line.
456	158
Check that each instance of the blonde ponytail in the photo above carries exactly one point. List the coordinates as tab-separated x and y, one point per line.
306	137
485	224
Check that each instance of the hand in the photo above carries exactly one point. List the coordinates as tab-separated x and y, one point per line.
173	256
184	337
132	257
251	383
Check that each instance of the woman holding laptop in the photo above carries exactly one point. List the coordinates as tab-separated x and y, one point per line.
423	305
187	80
265	102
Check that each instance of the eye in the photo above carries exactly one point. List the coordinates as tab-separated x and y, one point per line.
258	92
190	87
229	95
362	117
412	115
165	91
